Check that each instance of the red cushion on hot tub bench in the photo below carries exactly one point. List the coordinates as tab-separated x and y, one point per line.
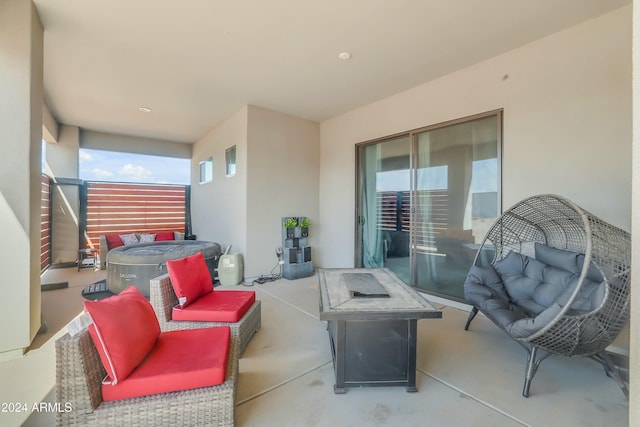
113	241
217	306
180	360
163	236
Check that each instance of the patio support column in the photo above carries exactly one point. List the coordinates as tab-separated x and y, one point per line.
21	47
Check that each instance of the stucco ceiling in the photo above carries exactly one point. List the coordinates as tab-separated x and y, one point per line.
196	62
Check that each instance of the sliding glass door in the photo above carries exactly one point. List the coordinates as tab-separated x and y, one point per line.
426	200
383	210
456	199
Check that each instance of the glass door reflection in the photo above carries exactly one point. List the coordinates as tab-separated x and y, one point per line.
455	182
384	208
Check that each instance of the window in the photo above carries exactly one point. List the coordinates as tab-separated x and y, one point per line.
206	170
230	161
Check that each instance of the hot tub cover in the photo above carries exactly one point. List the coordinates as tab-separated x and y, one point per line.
159	252
139	263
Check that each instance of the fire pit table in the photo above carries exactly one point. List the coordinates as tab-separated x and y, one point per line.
372	320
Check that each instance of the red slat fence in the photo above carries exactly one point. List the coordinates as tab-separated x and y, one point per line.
128	207
45	223
431	206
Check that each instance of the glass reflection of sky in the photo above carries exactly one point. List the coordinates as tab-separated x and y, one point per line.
483	180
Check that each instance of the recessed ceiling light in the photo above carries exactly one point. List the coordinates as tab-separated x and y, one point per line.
345	56
144	109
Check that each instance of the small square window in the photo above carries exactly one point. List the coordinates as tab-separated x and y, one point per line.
206	170
230	161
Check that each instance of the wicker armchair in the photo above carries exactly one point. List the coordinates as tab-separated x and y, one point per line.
163	299
79	374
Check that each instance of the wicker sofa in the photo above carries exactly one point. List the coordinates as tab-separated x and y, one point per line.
106	246
163	300
79	375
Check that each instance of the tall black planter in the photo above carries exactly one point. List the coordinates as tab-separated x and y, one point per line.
296	253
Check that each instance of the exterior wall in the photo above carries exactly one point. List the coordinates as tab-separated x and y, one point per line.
634	333
34	157
62	162
283	163
219	208
21	44
50	127
133	144
276	175
567	126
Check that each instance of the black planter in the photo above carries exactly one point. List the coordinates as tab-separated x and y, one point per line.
291	232
304	231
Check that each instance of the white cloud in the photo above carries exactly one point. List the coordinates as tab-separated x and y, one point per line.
84	156
136	173
101	173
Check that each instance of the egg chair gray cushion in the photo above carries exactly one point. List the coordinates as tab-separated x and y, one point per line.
523	295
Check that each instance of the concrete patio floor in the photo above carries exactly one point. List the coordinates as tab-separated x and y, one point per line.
464	378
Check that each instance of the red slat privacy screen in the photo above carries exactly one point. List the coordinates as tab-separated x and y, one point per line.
126	208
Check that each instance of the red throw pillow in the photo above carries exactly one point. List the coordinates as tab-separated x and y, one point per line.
124	330
190	278
113	241
162	236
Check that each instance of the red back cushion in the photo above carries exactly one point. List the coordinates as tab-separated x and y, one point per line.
124	331
190	278
113	241
164	235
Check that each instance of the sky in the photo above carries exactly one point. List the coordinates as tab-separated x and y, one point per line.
97	165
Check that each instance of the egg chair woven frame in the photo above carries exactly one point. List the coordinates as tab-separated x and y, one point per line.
559	223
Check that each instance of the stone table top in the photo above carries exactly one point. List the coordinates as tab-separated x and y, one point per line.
343	295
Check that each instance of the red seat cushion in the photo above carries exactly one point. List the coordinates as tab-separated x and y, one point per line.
190	278
180	360
113	241
162	236
218	306
124	330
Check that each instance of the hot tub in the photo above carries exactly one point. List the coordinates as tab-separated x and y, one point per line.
139	263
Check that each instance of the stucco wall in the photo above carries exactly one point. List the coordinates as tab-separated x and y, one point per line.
133	144
634	333
567	126
21	44
219	208
283	164
276	175
61	161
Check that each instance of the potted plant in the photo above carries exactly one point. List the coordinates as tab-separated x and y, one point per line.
304	227
290	224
